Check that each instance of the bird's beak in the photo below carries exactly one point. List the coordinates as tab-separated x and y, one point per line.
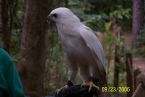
49	18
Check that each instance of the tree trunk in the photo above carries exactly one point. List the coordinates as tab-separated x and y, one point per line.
116	66
138	16
33	46
6	33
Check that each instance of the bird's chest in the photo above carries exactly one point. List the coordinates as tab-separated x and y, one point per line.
75	48
71	40
73	44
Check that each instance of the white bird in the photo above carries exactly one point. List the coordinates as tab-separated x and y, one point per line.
82	49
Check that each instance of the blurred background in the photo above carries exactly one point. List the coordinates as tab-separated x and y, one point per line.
36	47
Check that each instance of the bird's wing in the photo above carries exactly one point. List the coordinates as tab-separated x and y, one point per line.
93	43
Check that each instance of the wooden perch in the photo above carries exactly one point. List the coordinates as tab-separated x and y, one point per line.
140	90
77	91
130	76
137	91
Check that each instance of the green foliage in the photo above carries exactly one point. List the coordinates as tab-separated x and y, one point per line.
57	73
96	16
105	6
121	13
20	11
96	22
15	40
17	27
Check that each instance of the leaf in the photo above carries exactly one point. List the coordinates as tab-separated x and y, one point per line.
107	26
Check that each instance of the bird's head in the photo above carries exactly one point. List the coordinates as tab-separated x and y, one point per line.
63	15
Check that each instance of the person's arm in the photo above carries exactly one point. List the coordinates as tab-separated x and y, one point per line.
10	75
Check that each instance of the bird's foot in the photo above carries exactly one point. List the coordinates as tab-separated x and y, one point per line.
91	85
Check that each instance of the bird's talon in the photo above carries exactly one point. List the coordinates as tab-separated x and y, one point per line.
91	85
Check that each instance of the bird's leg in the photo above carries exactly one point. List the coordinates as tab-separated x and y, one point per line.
72	71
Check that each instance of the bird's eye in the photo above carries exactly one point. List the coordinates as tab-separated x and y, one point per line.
54	15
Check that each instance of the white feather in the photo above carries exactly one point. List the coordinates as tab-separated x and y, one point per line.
93	43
